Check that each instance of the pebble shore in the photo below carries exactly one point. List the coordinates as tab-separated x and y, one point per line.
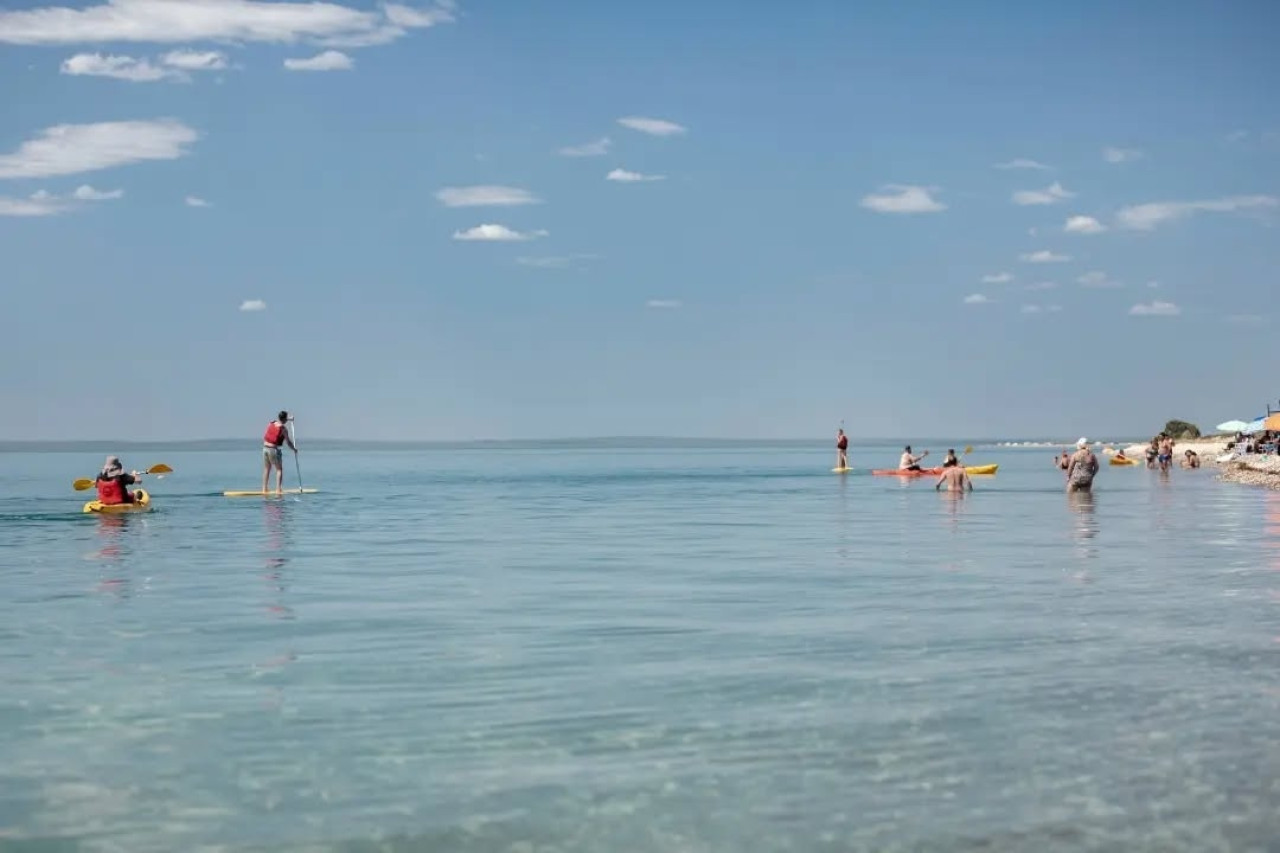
1250	470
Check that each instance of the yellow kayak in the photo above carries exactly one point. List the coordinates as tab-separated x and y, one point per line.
981	469
139	506
1114	461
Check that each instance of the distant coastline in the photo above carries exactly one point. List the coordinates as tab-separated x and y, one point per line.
599	442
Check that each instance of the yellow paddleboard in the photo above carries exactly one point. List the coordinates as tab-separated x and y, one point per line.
271	494
841	470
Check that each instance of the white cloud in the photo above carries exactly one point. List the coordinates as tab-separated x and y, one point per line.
1083	225
253	305
175	21
88	193
196	201
1041	309
115	67
1031	309
1146	217
330	60
1153	284
653	126
1022	163
485	195
1121	155
623	176
1042	285
899	198
976	299
1052	194
1155	309
596	148
1097	278
997	278
663	303
195	60
1044	256
496	234
68	149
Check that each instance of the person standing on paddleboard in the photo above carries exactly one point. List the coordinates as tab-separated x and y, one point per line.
842	448
273	439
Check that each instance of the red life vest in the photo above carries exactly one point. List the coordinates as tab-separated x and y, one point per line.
111	492
275	434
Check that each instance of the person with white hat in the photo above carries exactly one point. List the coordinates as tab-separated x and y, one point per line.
1082	468
113	483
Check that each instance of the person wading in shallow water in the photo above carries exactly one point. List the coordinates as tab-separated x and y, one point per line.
1082	468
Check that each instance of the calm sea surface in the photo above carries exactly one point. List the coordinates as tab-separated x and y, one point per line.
663	650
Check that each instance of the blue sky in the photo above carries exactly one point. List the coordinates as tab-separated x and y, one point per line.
811	199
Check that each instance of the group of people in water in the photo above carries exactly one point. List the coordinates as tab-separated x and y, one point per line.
113	481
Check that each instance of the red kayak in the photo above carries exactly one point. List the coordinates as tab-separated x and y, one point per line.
894	472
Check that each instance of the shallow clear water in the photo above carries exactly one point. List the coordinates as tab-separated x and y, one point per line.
638	650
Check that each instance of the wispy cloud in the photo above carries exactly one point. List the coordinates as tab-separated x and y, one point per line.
1083	225
1146	217
1044	256
1247	319
1155	309
178	21
1041	309
1052	194
1097	278
45	203
653	126
1121	155
1042	285
196	201
997	278
69	149
664	303
496	234
903	198
596	148
174	66
625	177
253	305
195	60
976	299
553	262
116	67
485	195
329	60
1022	163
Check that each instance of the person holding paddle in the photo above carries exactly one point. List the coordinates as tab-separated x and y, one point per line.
842	450
909	462
273	439
113	483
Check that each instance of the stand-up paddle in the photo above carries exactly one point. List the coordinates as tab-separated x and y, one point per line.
297	466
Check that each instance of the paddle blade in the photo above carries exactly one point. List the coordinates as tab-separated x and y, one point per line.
81	485
969	449
160	469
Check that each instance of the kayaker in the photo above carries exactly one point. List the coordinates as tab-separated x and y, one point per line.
1120	455
273	439
113	483
951	461
955	477
909	462
842	449
1082	468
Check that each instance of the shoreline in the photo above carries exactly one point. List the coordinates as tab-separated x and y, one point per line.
1249	470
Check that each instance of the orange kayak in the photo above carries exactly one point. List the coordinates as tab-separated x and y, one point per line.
894	472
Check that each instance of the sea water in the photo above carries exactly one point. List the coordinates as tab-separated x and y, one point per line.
637	649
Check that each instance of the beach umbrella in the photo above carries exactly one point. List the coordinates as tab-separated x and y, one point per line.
1255	426
1232	426
1272	422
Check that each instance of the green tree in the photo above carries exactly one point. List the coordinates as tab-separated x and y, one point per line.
1181	429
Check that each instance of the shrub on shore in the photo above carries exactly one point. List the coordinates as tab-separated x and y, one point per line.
1181	429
